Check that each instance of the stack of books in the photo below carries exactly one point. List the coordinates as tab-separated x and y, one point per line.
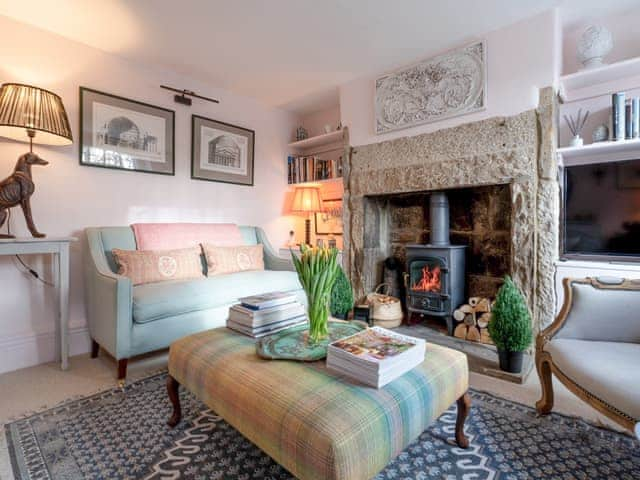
375	356
261	315
309	169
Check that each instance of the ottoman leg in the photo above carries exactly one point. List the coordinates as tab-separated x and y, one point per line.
172	389
464	405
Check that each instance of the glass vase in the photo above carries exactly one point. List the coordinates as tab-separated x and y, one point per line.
318	316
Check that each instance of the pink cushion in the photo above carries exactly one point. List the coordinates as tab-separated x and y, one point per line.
221	260
144	266
170	236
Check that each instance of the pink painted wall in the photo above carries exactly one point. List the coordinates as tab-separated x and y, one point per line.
522	58
70	197
315	122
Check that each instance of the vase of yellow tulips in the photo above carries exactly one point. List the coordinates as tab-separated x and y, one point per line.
317	270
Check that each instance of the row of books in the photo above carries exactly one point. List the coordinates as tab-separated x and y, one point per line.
261	315
625	115
311	169
375	356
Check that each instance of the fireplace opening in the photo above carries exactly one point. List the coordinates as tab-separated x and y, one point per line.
450	245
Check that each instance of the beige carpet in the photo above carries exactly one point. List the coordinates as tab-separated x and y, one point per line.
44	386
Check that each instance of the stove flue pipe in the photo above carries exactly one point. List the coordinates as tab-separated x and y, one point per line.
439	214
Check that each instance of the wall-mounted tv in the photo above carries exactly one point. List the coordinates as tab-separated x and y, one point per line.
602	210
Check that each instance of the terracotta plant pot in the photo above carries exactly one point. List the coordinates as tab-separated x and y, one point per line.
510	361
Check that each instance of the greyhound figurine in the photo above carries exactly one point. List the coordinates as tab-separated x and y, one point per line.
17	190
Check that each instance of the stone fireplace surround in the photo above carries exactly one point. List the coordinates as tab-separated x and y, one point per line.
517	152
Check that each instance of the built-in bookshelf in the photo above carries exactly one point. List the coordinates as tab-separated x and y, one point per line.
317	159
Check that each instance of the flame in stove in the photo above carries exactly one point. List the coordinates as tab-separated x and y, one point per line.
430	281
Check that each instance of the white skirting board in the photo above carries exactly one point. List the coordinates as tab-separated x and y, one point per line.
29	350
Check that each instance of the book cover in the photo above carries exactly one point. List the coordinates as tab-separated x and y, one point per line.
252	317
618	115
266	300
635	117
376	344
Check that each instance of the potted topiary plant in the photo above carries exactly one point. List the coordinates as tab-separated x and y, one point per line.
341	296
510	326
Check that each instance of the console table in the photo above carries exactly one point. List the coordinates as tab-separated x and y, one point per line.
59	249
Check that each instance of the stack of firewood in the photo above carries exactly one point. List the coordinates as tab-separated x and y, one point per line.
473	318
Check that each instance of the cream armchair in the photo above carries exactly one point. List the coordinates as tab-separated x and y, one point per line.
593	348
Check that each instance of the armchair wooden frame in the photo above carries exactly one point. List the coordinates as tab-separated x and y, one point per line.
545	365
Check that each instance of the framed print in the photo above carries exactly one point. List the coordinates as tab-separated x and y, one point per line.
221	152
329	222
125	134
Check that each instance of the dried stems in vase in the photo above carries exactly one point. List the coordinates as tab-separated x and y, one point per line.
576	125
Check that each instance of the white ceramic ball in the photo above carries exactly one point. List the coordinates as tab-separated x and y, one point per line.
595	43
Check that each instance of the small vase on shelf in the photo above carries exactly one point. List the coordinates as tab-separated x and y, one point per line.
576	141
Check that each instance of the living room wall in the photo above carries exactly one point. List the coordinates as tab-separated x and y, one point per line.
521	59
70	197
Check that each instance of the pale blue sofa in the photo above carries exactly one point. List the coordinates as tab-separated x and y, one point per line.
127	320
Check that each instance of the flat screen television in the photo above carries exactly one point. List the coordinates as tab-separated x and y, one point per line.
601	212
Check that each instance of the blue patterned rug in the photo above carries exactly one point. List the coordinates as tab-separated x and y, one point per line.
116	435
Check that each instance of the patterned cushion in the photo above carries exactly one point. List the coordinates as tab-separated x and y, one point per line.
221	260
316	424
146	266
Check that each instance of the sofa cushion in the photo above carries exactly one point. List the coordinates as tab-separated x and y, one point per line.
223	260
608	370
168	236
144	266
154	301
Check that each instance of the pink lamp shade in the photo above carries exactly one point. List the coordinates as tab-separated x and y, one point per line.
306	200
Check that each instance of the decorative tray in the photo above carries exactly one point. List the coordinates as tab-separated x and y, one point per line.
292	344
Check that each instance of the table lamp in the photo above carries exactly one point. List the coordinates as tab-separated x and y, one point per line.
307	201
38	115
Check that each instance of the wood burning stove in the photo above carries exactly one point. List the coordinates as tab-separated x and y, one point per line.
434	279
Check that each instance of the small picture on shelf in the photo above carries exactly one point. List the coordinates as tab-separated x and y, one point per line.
329	222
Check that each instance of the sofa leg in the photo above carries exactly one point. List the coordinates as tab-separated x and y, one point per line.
95	348
464	405
122	369
545	404
173	388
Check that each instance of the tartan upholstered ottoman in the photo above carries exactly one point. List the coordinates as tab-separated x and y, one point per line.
316	424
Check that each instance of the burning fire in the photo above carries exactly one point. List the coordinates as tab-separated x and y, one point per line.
430	281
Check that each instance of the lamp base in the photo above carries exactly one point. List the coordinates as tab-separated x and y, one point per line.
17	189
307	231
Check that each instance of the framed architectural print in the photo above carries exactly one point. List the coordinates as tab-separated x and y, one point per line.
221	152
329	222
125	134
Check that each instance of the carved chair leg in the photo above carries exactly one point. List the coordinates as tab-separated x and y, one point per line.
173	388
95	348
545	404
464	405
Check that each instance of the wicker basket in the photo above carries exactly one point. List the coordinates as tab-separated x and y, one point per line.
387	310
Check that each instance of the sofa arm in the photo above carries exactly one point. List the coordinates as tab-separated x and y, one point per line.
108	299
272	261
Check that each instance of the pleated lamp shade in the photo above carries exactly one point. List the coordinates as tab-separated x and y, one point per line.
24	108
306	200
